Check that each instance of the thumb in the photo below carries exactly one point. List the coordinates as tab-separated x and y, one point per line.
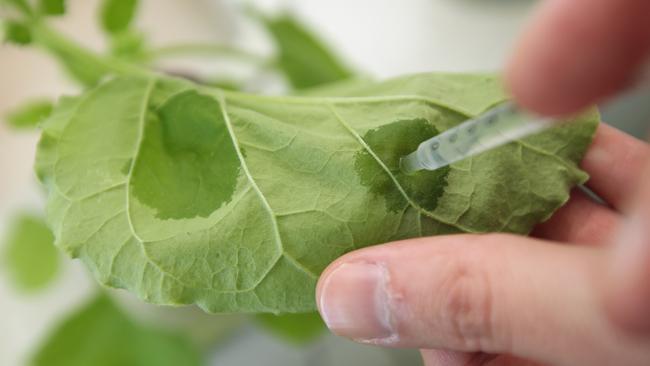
489	293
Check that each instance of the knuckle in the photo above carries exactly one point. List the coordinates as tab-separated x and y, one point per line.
466	304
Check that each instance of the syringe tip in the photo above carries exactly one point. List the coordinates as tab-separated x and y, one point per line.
410	164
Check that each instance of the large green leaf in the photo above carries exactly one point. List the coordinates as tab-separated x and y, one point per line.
237	202
30	256
305	60
100	334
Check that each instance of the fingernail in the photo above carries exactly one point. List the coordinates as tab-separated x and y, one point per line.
354	303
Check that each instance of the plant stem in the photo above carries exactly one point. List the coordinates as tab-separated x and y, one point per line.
69	52
21	5
206	49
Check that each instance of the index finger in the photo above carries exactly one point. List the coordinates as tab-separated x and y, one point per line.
577	52
615	162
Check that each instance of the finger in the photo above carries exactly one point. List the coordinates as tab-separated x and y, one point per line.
577	52
507	360
491	293
455	358
628	294
580	221
615	162
441	357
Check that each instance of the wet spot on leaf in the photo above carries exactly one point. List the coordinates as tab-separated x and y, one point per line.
187	165
389	143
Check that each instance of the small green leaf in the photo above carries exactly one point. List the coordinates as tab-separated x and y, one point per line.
305	60
296	328
17	33
31	258
52	7
30	114
128	45
117	15
100	334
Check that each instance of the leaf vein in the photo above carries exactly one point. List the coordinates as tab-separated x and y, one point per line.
265	202
399	187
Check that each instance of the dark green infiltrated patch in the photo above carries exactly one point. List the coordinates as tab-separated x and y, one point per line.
390	143
187	165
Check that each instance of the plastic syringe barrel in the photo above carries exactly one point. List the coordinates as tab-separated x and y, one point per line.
498	126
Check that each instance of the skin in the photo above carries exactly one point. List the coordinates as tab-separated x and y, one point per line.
578	291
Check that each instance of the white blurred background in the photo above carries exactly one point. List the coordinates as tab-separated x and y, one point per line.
381	38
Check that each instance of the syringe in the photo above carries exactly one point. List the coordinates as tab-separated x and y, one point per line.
498	126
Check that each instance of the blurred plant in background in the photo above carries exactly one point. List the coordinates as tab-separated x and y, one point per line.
107	330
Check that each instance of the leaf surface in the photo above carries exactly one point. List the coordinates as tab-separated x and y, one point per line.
237	202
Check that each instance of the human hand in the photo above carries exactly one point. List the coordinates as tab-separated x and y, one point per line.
502	299
510	295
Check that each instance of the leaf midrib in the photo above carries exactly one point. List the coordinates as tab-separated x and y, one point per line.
146	102
151	83
262	197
